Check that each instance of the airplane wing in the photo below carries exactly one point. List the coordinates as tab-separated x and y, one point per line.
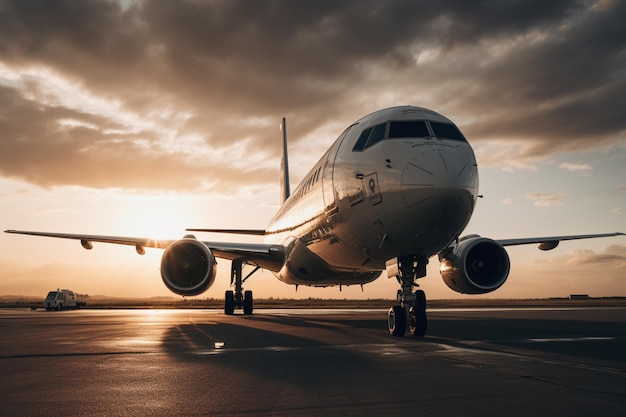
86	240
255	232
547	243
260	254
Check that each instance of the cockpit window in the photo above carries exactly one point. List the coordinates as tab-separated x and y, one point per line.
360	144
370	136
377	135
447	131
408	129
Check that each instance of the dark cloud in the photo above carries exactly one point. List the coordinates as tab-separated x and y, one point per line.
36	147
552	73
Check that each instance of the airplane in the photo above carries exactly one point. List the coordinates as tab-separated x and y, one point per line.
396	188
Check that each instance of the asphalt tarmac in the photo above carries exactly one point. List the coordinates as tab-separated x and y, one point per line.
473	362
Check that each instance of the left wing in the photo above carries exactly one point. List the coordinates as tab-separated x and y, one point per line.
547	243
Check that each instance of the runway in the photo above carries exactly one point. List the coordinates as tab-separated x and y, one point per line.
474	362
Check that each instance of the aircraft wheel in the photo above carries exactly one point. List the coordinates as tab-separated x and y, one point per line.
418	322
229	303
247	302
396	320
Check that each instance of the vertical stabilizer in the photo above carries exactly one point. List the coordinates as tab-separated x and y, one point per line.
284	166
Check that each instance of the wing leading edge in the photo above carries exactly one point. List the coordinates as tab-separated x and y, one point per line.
263	255
551	242
87	239
254	232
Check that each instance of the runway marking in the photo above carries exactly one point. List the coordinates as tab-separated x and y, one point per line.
567	339
462	352
72	354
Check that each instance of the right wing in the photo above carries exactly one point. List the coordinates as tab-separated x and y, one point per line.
260	254
255	232
85	240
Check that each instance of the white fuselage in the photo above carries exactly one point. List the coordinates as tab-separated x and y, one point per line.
400	192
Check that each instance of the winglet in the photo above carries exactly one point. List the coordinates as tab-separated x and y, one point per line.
284	166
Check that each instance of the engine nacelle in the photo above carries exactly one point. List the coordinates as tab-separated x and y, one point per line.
476	265
188	267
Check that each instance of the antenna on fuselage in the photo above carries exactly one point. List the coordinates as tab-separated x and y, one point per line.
284	166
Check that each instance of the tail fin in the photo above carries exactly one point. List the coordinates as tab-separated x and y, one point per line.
284	166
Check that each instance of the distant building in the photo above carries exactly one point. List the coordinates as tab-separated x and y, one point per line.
579	297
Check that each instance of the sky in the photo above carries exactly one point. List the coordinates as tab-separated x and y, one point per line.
142	118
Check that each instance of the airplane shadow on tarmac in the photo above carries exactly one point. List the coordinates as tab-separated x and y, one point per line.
360	341
348	363
328	357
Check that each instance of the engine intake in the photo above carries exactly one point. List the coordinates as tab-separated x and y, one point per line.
188	267
476	265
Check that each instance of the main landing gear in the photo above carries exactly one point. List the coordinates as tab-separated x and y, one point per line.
238	298
411	311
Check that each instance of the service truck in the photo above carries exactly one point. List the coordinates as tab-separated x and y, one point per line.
61	300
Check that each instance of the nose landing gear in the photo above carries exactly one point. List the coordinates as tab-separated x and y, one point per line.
411	311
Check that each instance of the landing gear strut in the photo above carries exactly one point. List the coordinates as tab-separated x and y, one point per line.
411	309
238	298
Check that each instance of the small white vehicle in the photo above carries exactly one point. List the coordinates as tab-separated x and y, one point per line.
61	300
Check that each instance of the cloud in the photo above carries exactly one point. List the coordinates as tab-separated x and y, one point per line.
612	255
59	143
164	94
583	168
539	199
570	273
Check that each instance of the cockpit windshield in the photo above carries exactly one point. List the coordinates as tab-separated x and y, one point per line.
447	131
407	129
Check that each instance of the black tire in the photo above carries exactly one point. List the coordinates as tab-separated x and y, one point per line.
418	322
420	299
396	321
229	303
247	302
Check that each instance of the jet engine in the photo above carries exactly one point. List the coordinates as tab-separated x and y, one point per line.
476	265
188	267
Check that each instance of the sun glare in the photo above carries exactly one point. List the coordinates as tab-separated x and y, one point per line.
155	217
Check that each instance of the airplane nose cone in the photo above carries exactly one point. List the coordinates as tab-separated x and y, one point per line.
439	185
433	171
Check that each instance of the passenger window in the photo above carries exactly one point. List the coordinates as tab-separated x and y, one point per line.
360	144
408	129
447	131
